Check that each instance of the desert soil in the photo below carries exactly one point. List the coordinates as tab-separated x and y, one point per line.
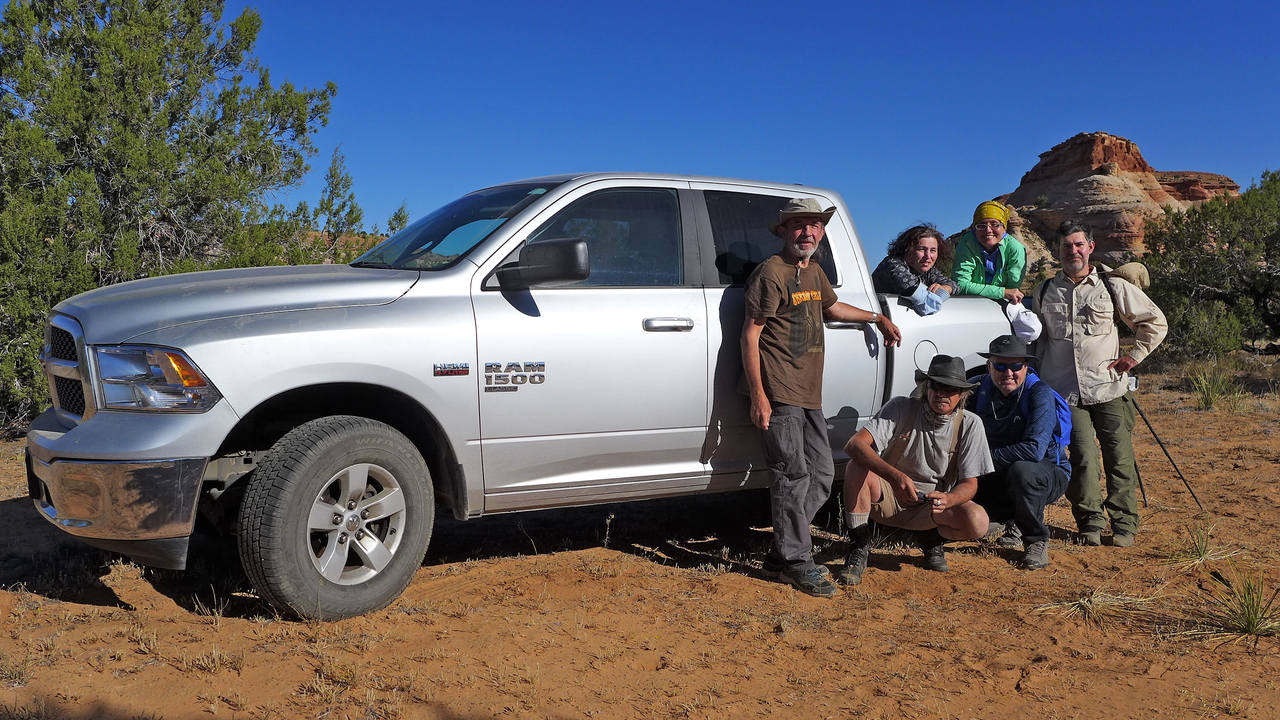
658	609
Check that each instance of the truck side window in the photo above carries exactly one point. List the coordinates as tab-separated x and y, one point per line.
633	236
740	225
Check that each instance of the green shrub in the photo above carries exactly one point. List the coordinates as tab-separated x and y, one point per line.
1207	330
1213	270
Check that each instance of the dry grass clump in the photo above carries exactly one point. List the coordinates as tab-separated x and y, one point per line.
333	679
213	610
1100	607
211	661
36	711
14	672
338	673
1198	550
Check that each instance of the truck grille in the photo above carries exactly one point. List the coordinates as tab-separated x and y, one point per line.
62	345
65	368
70	395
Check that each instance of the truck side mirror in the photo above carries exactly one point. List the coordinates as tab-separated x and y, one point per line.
560	260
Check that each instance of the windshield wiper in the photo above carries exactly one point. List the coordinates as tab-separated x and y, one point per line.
372	264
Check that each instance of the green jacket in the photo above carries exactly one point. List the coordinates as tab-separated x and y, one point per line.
970	272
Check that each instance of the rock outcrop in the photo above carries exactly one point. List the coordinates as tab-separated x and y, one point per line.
1102	181
1190	187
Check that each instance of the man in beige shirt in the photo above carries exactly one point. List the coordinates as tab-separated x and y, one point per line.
1080	357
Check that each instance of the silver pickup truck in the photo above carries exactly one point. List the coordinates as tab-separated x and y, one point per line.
564	340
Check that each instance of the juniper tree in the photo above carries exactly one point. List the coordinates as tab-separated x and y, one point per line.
1215	269
399	219
342	216
136	138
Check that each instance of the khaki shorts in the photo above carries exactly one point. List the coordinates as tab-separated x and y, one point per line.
913	517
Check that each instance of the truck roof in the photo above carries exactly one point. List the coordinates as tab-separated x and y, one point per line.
587	176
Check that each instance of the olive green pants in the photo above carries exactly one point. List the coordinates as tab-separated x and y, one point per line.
1111	423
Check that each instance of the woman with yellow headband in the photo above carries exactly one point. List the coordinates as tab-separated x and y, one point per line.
989	261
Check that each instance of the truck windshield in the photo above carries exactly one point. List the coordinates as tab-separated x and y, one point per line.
441	238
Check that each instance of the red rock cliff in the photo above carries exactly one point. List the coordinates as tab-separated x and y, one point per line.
1102	181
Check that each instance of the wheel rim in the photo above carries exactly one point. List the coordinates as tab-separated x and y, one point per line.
356	524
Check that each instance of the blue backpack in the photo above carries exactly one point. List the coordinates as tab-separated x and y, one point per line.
1061	434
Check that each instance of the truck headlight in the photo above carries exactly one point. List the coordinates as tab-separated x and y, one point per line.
137	377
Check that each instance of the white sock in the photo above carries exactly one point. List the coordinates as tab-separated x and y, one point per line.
856	520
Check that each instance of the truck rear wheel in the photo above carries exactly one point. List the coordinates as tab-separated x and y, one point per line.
336	519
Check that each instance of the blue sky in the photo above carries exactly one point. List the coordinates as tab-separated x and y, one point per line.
912	111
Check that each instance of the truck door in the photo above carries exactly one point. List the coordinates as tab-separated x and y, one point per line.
597	390
734	222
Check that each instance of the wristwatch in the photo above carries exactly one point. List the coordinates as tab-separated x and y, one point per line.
875	318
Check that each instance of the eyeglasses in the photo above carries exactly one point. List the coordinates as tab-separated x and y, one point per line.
1001	367
990	225
944	389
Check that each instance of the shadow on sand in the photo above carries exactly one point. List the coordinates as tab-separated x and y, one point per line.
728	530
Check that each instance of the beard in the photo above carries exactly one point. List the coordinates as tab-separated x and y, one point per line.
804	254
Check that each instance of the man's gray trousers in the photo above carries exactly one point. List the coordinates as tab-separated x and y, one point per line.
798	453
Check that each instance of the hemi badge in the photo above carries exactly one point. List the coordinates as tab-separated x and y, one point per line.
439	369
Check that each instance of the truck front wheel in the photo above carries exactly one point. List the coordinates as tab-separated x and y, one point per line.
336	519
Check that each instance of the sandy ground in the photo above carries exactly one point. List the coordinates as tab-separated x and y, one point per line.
658	610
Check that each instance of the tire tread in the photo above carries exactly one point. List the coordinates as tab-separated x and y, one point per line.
261	536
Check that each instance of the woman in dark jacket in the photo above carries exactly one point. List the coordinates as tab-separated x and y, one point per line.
911	270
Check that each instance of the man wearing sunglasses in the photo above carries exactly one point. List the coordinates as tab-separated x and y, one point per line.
1019	414
915	466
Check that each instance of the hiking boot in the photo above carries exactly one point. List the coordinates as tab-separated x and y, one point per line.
811	582
935	555
772	568
994	530
1092	538
1012	537
1122	539
1036	556
855	562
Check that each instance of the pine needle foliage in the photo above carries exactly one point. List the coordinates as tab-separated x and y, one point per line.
136	139
1213	270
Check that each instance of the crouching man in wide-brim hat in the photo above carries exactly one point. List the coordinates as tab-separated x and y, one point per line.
915	466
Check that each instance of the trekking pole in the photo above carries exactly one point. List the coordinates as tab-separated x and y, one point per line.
1166	454
1141	487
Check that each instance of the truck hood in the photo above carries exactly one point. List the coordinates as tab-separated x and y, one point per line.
116	313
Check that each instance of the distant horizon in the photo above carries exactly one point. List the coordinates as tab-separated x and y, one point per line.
913	113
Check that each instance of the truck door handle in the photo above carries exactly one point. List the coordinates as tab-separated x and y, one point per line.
667	324
836	325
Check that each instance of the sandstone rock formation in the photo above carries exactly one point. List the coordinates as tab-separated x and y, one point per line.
1103	181
1190	186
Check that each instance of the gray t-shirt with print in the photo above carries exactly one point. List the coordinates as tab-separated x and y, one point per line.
925	458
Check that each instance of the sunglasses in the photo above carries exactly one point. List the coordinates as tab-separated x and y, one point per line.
1001	367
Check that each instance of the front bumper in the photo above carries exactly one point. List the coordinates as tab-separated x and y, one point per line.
101	482
145	510
118	500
